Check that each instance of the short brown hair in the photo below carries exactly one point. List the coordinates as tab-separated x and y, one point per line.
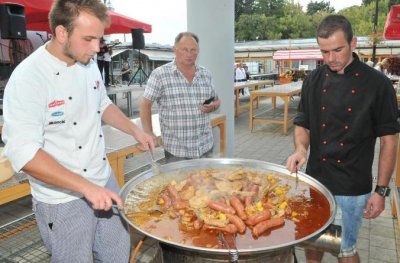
186	34
332	24
64	12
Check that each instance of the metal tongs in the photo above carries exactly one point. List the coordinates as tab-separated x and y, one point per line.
297	177
233	253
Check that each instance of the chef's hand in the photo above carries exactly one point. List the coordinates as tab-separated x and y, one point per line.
146	141
375	206
101	198
296	161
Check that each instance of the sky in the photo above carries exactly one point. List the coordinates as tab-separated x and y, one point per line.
168	18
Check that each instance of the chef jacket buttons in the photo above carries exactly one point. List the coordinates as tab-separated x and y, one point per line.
353	91
75	123
85	170
341	144
346	127
101	135
357	74
324	90
79	147
70	98
323	159
98	112
325	142
323	108
94	87
349	109
104	158
323	125
338	161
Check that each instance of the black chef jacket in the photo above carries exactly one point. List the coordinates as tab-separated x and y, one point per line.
345	114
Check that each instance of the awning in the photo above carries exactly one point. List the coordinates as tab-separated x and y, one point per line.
37	11
159	55
116	52
298	54
392	25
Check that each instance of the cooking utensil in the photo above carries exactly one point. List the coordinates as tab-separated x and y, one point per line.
154	165
233	253
297	176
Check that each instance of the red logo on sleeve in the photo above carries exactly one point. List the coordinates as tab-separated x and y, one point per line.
56	103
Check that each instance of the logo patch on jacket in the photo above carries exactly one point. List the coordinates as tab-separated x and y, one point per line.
56	103
57	114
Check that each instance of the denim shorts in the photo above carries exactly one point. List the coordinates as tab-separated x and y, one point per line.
349	215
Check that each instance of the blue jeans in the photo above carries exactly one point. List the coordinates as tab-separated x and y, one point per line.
349	215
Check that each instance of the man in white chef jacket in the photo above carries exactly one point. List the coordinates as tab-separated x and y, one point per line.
54	105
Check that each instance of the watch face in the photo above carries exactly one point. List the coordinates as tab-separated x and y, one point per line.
382	190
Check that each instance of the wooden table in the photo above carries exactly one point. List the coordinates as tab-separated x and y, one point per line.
285	92
119	145
251	84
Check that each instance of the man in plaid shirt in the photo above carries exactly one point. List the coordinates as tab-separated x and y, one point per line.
180	89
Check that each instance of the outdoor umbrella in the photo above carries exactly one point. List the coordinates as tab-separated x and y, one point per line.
392	25
37	11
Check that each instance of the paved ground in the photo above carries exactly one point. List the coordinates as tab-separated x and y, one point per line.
377	242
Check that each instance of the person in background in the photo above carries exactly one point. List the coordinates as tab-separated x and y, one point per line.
240	74
106	62
100	56
180	89
125	73
54	105
383	66
345	106
370	63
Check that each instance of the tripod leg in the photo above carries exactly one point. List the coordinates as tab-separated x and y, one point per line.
133	77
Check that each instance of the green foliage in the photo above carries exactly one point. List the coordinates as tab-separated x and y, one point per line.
315	7
284	19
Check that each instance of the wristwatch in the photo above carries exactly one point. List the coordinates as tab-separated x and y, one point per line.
382	190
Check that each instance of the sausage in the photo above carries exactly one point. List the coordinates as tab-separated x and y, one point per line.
249	199
238	206
267	224
238	222
257	218
198	224
179	204
167	201
173	193
229	228
218	206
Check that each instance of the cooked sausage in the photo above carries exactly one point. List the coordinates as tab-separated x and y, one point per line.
198	224
238	222
218	206
167	201
249	199
173	193
238	206
229	228
179	204
267	224
257	218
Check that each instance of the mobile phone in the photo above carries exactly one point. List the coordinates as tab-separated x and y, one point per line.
208	101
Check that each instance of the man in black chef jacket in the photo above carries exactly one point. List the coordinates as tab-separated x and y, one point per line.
345	105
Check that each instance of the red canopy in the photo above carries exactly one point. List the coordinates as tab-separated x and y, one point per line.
392	25
36	17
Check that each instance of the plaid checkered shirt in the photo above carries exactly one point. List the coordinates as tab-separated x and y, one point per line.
186	131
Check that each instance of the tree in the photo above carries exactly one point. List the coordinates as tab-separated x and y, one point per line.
315	7
244	7
256	27
295	23
272	7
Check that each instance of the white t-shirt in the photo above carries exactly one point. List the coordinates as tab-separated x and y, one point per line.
56	108
240	74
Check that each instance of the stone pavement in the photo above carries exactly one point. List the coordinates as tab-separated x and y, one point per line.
377	242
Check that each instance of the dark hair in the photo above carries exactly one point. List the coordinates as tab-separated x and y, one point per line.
186	34
332	24
64	12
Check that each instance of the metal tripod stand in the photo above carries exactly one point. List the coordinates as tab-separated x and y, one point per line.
143	75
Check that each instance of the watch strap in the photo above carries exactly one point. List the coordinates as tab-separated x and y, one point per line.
382	190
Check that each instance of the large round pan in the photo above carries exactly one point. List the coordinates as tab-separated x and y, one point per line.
146	180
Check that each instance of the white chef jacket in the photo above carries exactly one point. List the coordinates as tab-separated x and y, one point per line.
50	106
